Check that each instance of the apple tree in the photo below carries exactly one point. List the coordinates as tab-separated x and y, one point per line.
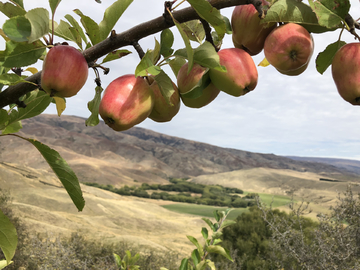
282	28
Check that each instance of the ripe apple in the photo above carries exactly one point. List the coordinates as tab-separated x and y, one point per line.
346	72
247	31
241	76
289	48
186	82
64	71
163	111
126	102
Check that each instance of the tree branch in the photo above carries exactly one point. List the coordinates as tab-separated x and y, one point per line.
13	93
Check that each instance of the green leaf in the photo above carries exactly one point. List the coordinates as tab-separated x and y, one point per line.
63	172
10	79
18	2
115	55
219	250
176	64
227	25
93	107
146	66
91	27
117	260
324	59
339	7
197	90
8	237
21	54
12	128
53	5
75	24
165	85
189	50
217	235
208	222
211	264
197	244
4	263
36	103
166	42
17	28
290	11
325	16
111	16
11	10
195	256
155	53
184	264
39	20
205	55
205	233
64	30
210	14
227	223
201	265
4	117
194	30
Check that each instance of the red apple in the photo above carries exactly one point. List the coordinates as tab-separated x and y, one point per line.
289	48
163	111
247	31
241	76
64	71
346	72
126	102
187	82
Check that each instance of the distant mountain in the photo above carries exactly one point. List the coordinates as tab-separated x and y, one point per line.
99	154
347	164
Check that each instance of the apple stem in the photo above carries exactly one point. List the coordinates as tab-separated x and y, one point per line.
258	6
167	10
208	36
138	48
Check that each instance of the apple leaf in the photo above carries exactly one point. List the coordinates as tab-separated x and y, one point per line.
62	171
36	103
8	237
184	264
264	63
339	7
210	14
111	16
325	17
93	107
32	70
12	128
75	24
91	27
60	105
17	28
189	50
194	30
155	53
176	64
21	54
324	59
219	250
197	90
165	85
4	117
53	5
146	66
11	10
19	3
209	223
166	42
3	35
195	256
10	79
205	55
291	11
4	263
115	55
67	32
39	20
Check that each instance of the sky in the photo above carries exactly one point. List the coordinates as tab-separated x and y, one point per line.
285	115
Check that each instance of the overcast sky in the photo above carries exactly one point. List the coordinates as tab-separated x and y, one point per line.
302	115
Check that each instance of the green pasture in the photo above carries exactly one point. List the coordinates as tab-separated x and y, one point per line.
207	211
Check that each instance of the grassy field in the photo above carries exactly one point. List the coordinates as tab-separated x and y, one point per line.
207	211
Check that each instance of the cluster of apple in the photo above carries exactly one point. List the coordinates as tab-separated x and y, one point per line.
128	100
